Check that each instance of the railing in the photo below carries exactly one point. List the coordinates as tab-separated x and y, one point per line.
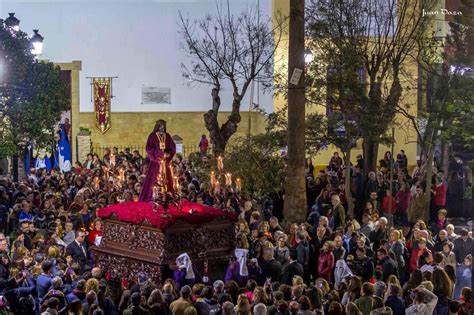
186	150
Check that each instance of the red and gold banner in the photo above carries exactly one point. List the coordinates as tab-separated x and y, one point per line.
102	96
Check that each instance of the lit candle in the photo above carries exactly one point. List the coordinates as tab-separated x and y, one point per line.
112	160
238	186
228	179
217	186
175	183
220	163
96	182
213	179
106	170
163	175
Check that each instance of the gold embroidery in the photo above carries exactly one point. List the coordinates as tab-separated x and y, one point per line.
162	139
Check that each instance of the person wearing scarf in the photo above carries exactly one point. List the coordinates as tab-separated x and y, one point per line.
184	274
341	271
240	270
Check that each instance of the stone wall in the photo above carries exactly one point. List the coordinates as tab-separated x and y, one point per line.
132	128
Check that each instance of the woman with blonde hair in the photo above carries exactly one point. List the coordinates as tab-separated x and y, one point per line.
243	305
392	279
260	296
156	303
353	291
92	284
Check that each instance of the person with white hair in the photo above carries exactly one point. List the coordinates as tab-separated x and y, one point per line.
184	273
260	309
381	232
218	287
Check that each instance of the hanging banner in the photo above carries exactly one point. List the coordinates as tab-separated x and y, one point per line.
102	96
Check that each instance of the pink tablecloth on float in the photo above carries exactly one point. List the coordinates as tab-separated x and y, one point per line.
137	212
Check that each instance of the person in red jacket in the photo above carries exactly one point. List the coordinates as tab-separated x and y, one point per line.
438	191
96	233
203	145
389	207
326	261
421	256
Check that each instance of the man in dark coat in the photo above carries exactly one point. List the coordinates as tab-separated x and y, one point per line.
272	267
463	246
136	309
78	250
386	264
294	268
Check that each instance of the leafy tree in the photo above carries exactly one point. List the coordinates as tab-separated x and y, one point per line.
380	36
32	95
257	161
229	50
448	110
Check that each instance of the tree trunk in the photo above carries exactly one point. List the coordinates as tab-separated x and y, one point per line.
295	186
445	155
429	176
348	181
371	149
15	167
220	135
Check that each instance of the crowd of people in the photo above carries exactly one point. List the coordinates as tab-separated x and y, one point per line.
389	255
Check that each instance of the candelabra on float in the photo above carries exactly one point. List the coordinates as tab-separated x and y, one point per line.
161	196
215	179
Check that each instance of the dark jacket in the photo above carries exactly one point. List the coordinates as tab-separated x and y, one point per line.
77	254
376	236
302	251
396	304
43	284
363	268
136	310
207	307
463	248
76	294
389	267
292	269
272	269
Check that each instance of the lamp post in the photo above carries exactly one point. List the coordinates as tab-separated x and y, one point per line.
36	43
12	22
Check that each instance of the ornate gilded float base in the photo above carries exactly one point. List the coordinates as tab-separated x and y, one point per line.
128	249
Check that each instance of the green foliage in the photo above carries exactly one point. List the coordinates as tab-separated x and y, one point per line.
449	114
316	130
32	94
459	112
257	162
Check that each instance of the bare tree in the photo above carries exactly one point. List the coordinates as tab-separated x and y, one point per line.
384	34
229	49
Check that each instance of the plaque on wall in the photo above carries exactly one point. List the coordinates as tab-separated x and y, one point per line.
156	95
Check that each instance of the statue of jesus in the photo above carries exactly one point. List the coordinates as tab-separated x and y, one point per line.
161	149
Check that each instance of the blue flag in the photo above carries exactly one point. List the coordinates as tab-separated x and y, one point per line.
64	153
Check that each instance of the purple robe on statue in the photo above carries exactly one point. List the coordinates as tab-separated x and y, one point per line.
155	154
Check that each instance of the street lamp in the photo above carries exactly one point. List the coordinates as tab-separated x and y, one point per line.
37	43
12	22
308	57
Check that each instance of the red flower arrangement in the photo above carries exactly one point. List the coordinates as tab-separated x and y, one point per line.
137	212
